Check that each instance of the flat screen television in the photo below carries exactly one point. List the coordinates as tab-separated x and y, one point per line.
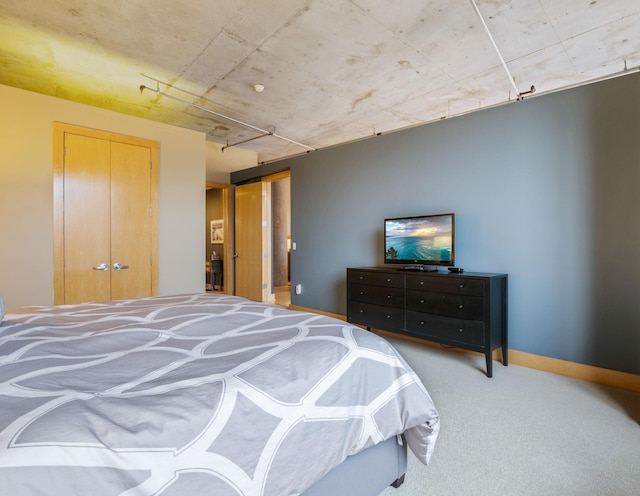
425	240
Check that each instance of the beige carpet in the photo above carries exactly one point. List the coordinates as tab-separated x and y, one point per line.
522	432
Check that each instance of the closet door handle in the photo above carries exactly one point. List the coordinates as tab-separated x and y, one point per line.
102	266
119	266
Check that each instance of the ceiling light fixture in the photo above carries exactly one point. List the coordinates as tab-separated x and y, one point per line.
259	88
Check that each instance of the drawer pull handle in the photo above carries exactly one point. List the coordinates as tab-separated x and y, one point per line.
361	292
422	322
461	330
388	297
388	280
388	316
421	301
460	306
361	311
361	278
461	286
421	283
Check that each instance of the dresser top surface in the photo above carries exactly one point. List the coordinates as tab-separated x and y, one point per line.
442	271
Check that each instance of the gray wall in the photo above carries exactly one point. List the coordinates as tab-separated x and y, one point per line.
546	190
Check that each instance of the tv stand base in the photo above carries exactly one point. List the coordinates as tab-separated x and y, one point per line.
421	268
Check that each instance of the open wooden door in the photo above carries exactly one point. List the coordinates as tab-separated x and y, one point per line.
251	241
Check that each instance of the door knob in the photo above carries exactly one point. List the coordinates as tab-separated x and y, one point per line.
102	266
119	266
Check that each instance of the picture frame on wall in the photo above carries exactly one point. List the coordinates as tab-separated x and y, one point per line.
217	232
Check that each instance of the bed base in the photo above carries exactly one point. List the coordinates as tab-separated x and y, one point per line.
367	473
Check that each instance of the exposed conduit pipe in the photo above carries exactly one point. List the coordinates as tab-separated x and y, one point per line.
204	109
245	141
495	47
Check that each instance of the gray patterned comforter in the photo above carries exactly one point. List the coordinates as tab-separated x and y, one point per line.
194	395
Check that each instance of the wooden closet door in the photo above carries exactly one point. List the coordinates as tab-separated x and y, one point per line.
130	221
87	220
87	190
105	213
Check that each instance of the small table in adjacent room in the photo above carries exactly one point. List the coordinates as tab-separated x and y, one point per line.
216	275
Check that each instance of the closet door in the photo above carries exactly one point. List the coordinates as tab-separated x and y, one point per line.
131	214
87	219
105	222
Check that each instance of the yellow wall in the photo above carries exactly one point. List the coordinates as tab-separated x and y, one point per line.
222	161
26	194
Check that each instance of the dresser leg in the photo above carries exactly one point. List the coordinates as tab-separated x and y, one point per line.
489	360
505	360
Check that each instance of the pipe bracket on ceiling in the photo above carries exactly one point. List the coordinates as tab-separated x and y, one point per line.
263	132
245	141
512	81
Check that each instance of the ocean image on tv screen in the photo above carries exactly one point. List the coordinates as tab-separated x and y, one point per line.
420	239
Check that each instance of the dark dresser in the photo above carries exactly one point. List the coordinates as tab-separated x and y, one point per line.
462	310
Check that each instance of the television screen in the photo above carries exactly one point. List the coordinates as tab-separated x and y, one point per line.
423	240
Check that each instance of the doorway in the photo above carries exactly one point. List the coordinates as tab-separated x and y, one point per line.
281	240
261	253
217	238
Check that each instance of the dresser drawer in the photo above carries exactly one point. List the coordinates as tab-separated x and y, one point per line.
376	278
470	332
449	304
386	318
450	284
378	295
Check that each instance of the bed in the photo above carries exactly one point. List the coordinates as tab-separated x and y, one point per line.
203	394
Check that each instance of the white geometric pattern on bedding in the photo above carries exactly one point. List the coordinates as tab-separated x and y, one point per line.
195	394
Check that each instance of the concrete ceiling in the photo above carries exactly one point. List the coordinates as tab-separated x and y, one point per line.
333	71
